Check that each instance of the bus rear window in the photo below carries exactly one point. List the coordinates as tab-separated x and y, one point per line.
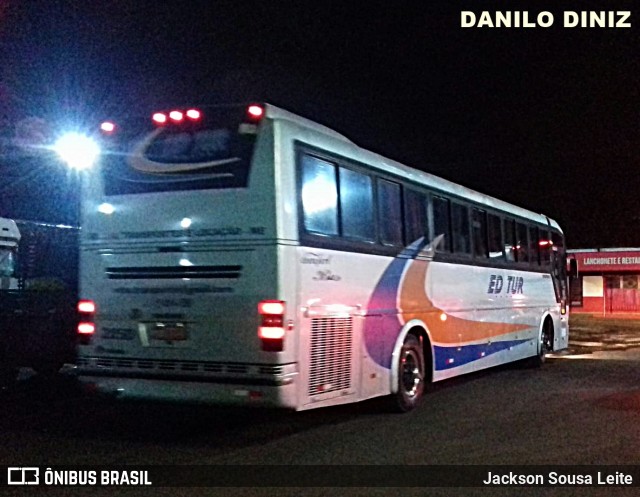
210	153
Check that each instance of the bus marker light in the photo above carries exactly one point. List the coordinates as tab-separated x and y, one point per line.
176	115
443	317
107	127
86	328
159	118
193	114
255	111
86	306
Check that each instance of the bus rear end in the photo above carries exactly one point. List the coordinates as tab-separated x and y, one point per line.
181	296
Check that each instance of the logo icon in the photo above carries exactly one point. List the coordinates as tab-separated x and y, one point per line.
23	476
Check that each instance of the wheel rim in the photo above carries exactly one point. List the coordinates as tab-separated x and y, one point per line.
412	375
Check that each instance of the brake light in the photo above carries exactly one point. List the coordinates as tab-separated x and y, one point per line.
86	325
271	331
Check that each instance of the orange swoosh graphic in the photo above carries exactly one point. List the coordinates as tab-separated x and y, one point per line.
415	304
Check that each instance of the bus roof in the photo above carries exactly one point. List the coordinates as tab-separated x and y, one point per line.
340	144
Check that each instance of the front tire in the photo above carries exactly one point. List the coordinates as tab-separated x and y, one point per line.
544	345
411	375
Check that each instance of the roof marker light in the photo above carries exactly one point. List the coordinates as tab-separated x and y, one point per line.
255	111
160	118
176	115
193	114
108	127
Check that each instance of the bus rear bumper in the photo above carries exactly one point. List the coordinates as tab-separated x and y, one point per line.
282	395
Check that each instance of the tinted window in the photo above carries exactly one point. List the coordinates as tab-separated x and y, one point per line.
522	243
415	215
533	245
494	227
479	228
442	222
356	204
389	213
460	225
211	152
546	247
510	239
319	196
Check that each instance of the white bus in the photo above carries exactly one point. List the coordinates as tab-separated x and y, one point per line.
244	255
9	238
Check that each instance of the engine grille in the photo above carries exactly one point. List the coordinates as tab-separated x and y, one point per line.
330	364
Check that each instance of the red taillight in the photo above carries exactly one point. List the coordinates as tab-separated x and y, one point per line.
255	112
193	114
159	118
87	306
107	127
176	115
86	326
271	330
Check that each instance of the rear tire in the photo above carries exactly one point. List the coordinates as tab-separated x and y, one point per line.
544	345
411	375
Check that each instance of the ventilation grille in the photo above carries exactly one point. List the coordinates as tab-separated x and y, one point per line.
330	365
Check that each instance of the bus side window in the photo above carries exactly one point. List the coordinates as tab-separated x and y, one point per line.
389	213
546	246
522	244
534	245
319	196
460	225
356	205
510	240
479	228
496	249
442	223
415	215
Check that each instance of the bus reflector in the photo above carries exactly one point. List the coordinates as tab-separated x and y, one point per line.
271	330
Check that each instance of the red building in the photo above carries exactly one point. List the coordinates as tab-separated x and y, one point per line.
607	281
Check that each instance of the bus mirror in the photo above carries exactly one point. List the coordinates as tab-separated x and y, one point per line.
573	268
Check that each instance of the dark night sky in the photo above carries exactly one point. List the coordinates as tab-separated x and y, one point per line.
545	118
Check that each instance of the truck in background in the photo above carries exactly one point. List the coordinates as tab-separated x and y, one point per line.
38	291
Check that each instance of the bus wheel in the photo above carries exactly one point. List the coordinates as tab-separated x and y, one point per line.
544	345
411	375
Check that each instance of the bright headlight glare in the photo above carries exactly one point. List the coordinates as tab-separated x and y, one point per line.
77	151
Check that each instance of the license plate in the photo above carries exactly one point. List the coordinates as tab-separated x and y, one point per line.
168	332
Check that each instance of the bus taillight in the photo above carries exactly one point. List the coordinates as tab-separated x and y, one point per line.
86	326
271	330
